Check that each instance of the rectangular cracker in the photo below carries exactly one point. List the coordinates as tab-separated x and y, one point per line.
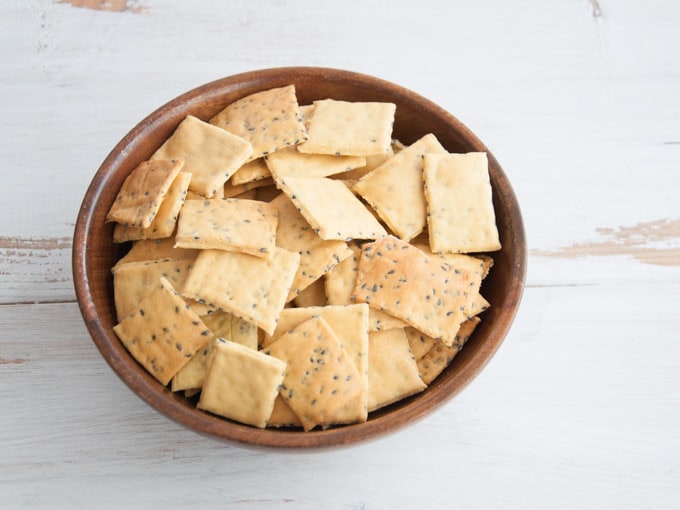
282	415
233	190
252	288
155	249
331	208
252	171
345	128
165	221
293	163
230	224
440	355
320	378
339	284
163	333
241	384
397	182
350	324
211	154
392	369
460	213
317	256
143	191
424	291
419	342
270	120
134	281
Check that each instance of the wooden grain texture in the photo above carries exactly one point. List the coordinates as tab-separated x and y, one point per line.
578	100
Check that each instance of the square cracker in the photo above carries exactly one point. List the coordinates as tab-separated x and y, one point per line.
331	208
461	217
345	128
155	249
424	291
143	191
419	342
163	333
392	369
252	288
252	171
339	283
211	154
320	378
440	355
397	182
231	224
317	256
270	120
234	190
134	281
241	384
293	163
163	225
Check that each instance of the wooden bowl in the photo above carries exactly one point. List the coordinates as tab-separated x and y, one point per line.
94	252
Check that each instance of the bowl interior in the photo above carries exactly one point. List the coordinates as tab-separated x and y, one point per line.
94	252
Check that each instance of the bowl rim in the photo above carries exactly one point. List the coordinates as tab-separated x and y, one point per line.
168	403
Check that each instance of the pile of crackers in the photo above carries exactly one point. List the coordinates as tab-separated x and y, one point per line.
295	266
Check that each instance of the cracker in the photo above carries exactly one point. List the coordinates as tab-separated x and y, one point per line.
372	162
192	375
293	163
252	171
331	209
282	415
419	342
241	384
313	295
398	182
339	283
317	256
320	378
211	154
392	370
231	224
155	249
346	128
424	291
440	355
163	333
134	281
234	190
142	192
252	288
350	324
163	225
460	213
270	120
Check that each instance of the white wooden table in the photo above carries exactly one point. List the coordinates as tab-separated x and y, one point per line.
578	100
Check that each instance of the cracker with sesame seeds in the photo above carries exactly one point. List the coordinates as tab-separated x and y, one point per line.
440	355
270	120
339	283
143	191
252	171
234	190
331	208
397	182
155	249
230	224
344	128
317	256
419	342
313	295
241	384
133	281
350	324
293	163
392	369
163	333
282	415
212	155
460	213
424	291
165	221
252	288
320	378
